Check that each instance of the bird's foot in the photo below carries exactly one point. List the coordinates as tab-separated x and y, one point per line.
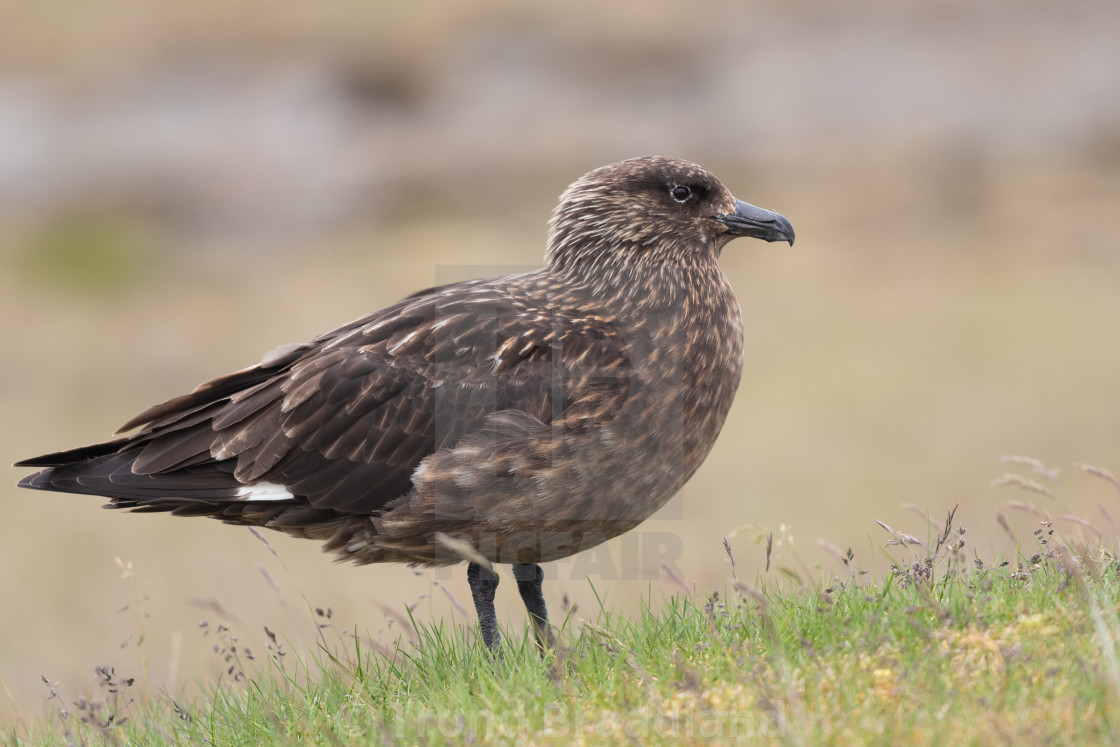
529	577
484	584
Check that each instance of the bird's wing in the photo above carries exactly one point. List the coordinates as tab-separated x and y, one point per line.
343	421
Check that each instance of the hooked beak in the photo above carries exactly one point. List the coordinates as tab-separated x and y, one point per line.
748	220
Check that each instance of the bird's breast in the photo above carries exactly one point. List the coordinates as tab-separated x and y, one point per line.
687	373
686	360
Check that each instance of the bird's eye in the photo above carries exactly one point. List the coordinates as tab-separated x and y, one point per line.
681	193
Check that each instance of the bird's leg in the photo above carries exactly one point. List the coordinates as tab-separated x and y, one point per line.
484	584
529	578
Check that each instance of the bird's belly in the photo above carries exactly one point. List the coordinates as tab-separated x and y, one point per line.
603	481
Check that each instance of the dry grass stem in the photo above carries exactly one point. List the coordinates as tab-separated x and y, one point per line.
1006	526
1051	473
1030	508
675	577
463	549
1100	472
922	513
1018	481
832	550
901	539
1082	522
454	601
750	591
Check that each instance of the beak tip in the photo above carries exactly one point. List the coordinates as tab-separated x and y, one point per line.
785	230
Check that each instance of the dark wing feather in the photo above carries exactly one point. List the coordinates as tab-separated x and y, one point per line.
219	388
343	421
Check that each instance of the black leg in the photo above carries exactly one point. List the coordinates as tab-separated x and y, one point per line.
484	584
529	578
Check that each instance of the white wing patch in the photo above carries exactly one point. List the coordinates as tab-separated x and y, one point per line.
264	491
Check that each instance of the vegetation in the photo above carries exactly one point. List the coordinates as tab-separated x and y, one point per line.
943	649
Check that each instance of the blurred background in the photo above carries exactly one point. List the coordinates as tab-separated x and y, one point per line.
185	186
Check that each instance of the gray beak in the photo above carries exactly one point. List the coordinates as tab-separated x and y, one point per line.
748	220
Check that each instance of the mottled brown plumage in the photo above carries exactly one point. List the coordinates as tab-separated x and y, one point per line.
531	416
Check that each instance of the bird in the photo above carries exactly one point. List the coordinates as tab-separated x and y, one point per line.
514	420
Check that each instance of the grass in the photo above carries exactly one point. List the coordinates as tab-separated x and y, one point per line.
943	649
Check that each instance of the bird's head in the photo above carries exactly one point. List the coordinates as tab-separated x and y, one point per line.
653	210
